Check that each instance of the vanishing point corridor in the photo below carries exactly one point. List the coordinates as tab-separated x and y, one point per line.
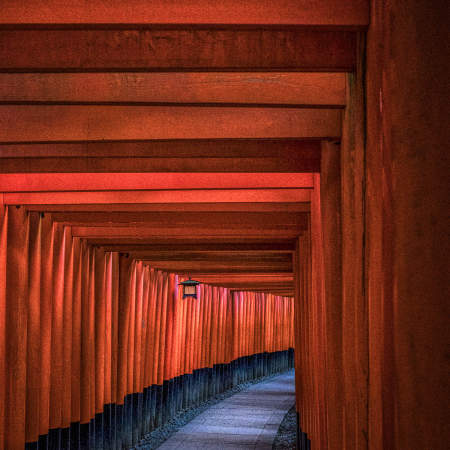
198	197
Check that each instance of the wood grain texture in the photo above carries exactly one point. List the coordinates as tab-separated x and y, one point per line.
96	123
182	49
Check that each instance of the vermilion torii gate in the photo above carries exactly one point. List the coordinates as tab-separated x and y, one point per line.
290	148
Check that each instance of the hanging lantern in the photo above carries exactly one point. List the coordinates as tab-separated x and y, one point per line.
189	288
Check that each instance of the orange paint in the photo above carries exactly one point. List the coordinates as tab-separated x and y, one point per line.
68	123
235	12
113	326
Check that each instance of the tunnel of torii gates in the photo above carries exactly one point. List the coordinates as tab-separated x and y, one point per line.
290	155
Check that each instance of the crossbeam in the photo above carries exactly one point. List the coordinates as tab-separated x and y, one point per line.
80	123
175	148
173	196
270	89
181	49
231	241
290	163
159	181
233	12
201	155
256	220
177	207
194	267
149	233
250	249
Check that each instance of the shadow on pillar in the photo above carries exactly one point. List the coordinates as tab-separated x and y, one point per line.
303	443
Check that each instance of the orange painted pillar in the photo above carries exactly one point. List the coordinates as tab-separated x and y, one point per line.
16	326
354	307
46	321
3	260
66	407
407	248
57	324
125	266
330	202
100	329
33	356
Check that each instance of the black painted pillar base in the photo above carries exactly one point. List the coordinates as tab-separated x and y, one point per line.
121	426
303	443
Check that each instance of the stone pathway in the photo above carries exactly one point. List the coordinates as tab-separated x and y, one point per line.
247	420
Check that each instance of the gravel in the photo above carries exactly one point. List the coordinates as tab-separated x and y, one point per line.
286	437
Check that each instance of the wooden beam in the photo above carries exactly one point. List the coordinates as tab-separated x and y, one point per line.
296	163
38	182
198	255
213	263
178	207
80	123
178	148
263	89
149	233
284	292
234	12
256	220
261	286
275	277
213	258
181	49
230	248
173	196
190	240
234	155
266	287
194	267
248	280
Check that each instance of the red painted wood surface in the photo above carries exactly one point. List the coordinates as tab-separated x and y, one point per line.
270	88
407	233
175	148
291	162
294	207
232	155
235	12
161	181
145	197
370	268
37	123
150	49
108	327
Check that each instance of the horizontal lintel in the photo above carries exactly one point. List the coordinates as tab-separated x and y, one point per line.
172	88
233	12
43	182
173	196
36	123
177	207
180	49
168	148
253	249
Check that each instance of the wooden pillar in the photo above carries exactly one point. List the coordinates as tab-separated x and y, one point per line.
407	225
330	202
331	312
3	256
16	327
354	307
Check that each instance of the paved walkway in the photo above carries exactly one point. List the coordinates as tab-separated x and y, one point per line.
247	420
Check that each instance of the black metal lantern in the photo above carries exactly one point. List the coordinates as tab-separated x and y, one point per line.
189	288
